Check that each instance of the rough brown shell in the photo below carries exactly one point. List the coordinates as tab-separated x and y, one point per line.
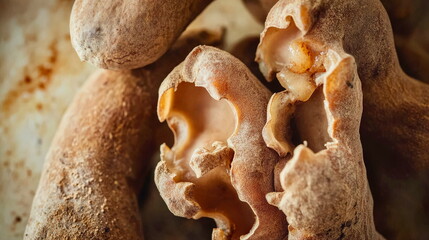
87	189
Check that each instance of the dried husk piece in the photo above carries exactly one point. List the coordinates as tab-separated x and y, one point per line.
219	166
314	124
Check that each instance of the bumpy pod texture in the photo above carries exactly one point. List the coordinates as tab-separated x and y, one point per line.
87	186
219	166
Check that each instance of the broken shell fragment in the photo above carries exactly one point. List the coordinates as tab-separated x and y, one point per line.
314	125
219	166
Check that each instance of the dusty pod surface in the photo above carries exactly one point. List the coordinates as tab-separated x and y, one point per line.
128	34
219	166
87	188
314	124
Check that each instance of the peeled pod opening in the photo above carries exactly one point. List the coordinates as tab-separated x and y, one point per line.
219	166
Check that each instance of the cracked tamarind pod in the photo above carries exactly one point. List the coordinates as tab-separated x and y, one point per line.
321	182
219	166
395	121
93	170
128	34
